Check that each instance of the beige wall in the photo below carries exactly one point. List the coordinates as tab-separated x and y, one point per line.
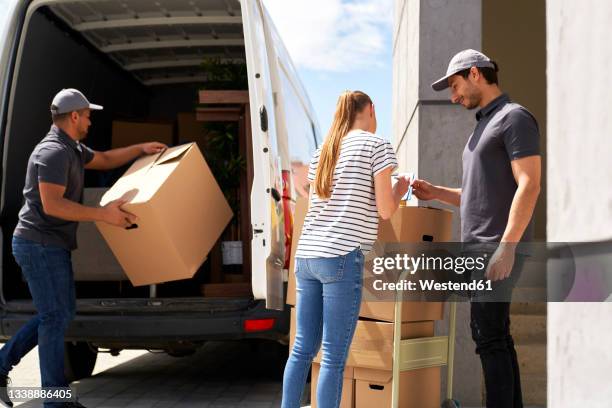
514	35
580	195
430	133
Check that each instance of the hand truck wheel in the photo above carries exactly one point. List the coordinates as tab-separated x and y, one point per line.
451	403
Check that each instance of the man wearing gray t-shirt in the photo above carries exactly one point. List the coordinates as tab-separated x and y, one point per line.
498	194
46	233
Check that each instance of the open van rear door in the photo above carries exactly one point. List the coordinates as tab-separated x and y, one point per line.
267	246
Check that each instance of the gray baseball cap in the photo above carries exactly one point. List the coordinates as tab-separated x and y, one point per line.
463	60
68	100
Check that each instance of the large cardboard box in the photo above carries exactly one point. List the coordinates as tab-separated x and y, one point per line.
372	345
348	386
301	208
126	133
417	388
181	214
190	130
94	260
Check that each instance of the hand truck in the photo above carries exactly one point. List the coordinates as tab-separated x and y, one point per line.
412	354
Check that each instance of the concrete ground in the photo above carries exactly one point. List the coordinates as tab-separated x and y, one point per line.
230	374
223	375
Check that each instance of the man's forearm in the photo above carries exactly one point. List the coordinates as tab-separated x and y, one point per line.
123	155
521	211
71	211
448	195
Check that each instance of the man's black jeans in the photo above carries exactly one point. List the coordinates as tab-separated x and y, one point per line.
490	323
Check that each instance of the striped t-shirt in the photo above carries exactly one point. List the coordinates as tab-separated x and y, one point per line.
349	218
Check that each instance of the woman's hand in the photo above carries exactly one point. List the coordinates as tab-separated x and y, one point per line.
401	186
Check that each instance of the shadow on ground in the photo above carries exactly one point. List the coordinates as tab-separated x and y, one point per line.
220	374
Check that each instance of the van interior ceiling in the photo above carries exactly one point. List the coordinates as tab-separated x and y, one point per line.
143	61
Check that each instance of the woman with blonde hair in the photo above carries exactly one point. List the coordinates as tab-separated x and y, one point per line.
351	187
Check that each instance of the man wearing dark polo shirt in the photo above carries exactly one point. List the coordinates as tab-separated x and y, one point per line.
46	233
498	194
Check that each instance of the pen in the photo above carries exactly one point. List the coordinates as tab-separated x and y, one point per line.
409	193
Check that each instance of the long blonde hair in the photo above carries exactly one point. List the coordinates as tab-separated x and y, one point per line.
349	104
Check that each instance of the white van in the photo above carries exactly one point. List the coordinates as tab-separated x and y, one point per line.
143	59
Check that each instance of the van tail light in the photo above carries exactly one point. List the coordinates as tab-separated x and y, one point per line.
287	210
257	325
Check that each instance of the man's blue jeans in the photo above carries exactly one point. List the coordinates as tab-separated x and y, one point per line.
48	271
328	301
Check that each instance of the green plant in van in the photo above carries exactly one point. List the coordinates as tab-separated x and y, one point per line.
222	146
225	75
227	164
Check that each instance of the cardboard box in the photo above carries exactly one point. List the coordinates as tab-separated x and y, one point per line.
301	208
416	224
417	388
181	214
348	386
127	133
411	311
94	260
190	130
408	224
372	345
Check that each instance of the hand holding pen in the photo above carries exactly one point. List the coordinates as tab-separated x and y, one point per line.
403	181
411	179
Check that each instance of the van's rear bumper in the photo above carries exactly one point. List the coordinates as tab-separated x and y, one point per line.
160	329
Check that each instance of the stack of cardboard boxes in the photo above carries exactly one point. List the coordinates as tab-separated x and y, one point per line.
368	372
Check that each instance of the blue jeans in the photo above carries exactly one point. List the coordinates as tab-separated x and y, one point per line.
328	301
48	271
